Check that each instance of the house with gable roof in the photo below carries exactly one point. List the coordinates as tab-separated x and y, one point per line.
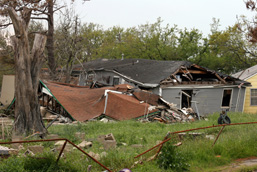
250	101
180	82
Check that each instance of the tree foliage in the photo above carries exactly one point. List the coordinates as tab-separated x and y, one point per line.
226	51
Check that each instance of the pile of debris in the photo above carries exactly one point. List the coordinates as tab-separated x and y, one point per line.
121	102
169	113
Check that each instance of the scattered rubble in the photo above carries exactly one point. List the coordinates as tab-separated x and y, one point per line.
85	145
36	149
108	141
95	155
80	135
5	151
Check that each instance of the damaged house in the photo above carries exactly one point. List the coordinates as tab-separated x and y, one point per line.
180	82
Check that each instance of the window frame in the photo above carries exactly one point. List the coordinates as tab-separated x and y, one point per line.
230	100
251	96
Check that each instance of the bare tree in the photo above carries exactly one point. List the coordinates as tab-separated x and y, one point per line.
27	64
69	42
252	25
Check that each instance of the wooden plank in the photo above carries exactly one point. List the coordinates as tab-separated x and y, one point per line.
194	71
175	78
222	80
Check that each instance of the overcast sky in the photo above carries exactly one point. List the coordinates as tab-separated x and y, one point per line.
184	13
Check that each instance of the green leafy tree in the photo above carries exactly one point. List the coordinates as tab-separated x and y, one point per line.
191	45
92	40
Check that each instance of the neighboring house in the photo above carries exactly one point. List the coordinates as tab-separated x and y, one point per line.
7	91
179	82
249	75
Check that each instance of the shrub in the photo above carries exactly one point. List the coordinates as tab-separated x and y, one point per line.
171	158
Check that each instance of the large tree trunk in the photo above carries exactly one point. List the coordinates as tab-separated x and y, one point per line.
27	66
50	41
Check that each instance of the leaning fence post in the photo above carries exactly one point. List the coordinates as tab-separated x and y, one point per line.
218	135
61	151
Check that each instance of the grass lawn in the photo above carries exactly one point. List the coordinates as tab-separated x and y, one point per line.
234	142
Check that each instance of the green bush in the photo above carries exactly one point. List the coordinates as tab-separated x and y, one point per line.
171	158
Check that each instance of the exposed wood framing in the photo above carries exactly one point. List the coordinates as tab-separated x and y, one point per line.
173	76
186	73
222	80
194	71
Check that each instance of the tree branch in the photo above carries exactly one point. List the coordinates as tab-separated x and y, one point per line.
15	20
39	18
5	25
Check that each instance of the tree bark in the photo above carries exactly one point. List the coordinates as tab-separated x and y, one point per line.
27	66
50	41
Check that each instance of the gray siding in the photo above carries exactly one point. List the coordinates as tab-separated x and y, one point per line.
209	100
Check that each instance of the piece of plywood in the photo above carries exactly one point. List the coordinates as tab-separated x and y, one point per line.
7	91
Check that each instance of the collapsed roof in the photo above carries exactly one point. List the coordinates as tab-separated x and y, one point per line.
83	103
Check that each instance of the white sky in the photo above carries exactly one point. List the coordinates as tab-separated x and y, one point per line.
184	13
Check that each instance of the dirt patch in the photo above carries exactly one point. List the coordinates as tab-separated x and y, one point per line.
240	164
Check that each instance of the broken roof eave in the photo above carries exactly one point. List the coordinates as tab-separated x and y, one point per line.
146	85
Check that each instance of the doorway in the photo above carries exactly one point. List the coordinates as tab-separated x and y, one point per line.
186	98
226	99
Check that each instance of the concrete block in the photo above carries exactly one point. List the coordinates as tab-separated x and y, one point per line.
16	138
53	136
85	144
80	135
59	143
67	148
109	144
100	139
94	155
28	153
109	137
36	149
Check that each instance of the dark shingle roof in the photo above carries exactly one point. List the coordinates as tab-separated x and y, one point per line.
142	70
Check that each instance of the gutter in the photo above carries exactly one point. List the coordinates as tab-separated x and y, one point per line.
106	97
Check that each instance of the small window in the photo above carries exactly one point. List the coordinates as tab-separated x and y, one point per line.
116	80
226	98
253	97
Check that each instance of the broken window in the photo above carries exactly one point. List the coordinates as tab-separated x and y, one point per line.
226	97
90	79
186	98
253	97
116	80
